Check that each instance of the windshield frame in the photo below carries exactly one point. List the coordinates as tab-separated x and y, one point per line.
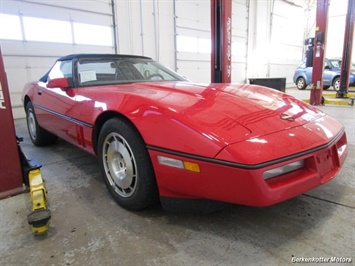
120	70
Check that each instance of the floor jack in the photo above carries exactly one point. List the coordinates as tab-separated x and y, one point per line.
40	215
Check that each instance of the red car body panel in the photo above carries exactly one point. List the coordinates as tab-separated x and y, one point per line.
245	185
233	132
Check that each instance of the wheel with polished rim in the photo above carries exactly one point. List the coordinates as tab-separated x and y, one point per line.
301	83
125	165
120	165
38	135
336	84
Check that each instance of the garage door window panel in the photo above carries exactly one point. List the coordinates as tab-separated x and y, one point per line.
47	30
92	34
12	31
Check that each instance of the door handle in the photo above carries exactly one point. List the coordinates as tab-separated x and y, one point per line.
39	92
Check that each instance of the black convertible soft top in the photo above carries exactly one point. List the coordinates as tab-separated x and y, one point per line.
72	56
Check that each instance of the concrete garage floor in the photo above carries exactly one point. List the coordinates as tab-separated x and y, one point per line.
89	228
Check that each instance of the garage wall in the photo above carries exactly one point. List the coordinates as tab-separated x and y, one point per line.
336	29
286	40
193	37
275	40
267	36
240	42
146	28
177	33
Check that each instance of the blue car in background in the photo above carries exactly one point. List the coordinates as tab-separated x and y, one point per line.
331	76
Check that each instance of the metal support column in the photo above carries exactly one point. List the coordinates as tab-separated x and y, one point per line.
221	36
114	26
347	50
319	49
10	167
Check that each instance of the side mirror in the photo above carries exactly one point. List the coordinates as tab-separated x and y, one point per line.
326	67
58	83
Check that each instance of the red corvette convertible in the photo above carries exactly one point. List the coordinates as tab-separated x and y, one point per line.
159	136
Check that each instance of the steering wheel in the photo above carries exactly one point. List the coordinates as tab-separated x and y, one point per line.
155	75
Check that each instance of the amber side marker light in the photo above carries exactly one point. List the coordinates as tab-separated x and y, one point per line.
189	166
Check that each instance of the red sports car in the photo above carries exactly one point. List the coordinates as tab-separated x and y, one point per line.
159	136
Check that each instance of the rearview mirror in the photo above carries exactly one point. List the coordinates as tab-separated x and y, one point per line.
58	83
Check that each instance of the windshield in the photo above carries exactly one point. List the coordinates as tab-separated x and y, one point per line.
122	70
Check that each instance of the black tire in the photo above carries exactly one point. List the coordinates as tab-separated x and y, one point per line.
301	83
326	87
336	84
38	135
125	165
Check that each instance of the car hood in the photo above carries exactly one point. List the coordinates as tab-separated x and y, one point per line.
229	112
197	119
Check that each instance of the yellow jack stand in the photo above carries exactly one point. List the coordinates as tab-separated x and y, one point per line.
40	215
32	177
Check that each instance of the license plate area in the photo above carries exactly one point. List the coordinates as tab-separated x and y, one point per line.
326	162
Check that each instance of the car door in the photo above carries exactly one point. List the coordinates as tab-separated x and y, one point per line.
52	105
328	74
308	73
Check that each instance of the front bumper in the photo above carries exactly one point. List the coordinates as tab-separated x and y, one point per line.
223	181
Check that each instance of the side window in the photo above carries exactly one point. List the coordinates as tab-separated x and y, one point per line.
302	65
61	69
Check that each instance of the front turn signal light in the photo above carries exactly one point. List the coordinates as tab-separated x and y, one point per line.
189	166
